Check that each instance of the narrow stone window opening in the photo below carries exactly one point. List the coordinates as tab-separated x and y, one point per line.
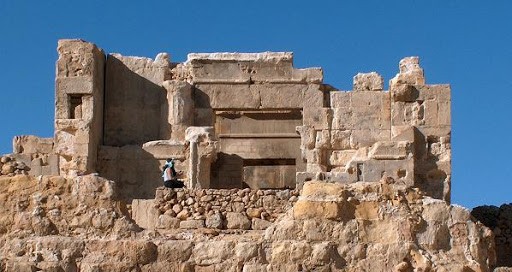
75	106
360	168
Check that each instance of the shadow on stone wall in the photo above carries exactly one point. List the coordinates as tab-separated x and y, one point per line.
429	178
133	111
136	172
227	172
499	220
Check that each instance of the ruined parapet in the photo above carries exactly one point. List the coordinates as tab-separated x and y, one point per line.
369	134
266	67
79	105
428	109
37	154
270	125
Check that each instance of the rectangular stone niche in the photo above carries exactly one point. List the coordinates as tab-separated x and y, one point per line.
75	102
269	173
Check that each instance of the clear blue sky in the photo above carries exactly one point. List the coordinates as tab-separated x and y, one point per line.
465	43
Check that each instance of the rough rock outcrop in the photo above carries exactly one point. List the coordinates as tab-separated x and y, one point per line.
499	220
54	224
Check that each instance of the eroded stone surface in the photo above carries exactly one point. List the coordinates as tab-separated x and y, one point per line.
378	228
248	132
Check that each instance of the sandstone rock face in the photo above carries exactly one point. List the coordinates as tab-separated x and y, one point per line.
372	227
77	225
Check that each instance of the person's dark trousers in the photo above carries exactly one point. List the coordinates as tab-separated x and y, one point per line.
174	183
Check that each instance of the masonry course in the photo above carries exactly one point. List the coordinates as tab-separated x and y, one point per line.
283	172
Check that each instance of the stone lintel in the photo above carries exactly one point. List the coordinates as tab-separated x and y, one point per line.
235	57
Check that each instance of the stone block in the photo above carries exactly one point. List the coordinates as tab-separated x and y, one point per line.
410	73
215	221
212	252
367	137
175	251
307	136
192	224
367	210
50	170
402	171
78	58
341	157
340	99
371	110
363	100
226	96
404	93
316	167
430	114
344	177
165	149
323	138
368	82
308	75
403	133
343	119
261	148
439	92
179	102
167	222
285	253
144	213
314	96
249	267
280	95
444	113
305	209
260	224
29	144
387	150
75	85
438	131
381	231
303	177
36	169
274	67
318	118
219	72
340	139
286	74
317	156
236	220
322	190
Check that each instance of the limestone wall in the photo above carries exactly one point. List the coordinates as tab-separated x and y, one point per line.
369	134
36	154
54	224
237	120
219	209
135	100
79	92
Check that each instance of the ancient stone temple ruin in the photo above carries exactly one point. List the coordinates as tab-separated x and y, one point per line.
238	120
283	172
